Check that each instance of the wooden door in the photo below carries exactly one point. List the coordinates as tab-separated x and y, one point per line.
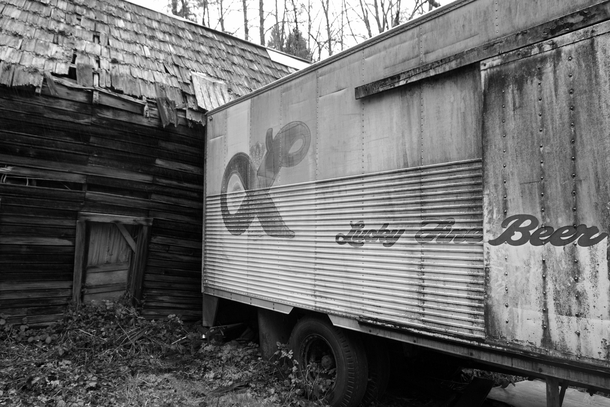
109	258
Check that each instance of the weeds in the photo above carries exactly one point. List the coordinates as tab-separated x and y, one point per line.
499	379
107	355
82	358
314	382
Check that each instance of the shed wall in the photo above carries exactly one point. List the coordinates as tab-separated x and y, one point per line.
61	156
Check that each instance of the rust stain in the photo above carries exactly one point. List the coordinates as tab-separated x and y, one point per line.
541	135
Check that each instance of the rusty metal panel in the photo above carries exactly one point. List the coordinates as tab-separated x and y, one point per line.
483	21
512	16
395	54
477	25
402	246
547	206
465	25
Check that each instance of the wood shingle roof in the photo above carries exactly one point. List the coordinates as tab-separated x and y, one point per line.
124	48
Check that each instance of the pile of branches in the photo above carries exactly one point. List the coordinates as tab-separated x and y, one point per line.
108	355
82	358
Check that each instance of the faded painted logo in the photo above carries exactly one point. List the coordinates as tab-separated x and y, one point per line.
358	235
257	182
519	230
522	229
445	231
438	231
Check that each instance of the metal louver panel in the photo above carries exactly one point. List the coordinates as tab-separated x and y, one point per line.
403	247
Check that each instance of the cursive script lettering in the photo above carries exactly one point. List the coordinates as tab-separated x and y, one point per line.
358	236
443	231
521	229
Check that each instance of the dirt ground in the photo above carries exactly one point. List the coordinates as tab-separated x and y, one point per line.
107	355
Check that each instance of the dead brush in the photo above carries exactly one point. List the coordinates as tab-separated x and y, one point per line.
108	355
91	350
312	382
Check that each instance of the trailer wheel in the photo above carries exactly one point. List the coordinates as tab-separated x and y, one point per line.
332	362
378	358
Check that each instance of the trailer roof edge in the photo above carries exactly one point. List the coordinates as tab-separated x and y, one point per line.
356	48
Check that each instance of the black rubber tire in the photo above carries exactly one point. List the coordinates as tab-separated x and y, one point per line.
378	357
347	350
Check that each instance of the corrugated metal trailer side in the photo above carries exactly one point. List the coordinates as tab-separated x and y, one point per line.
447	190
342	260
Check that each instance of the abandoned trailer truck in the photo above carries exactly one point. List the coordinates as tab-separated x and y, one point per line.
442	186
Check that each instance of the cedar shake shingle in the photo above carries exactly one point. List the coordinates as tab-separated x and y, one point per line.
128	44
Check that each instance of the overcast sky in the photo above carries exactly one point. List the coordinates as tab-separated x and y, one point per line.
158	5
234	18
161	5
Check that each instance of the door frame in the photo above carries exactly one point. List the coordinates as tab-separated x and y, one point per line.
139	246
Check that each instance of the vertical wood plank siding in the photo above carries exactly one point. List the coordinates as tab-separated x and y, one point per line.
59	157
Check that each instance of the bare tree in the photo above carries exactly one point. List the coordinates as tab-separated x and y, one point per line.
182	8
377	15
221	14
329	36
205	12
386	14
277	39
331	26
245	10
396	19
365	18
280	27
261	21
356	36
342	26
295	13
309	23
418	8
315	39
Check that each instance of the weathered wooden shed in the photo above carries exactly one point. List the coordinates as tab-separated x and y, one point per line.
102	125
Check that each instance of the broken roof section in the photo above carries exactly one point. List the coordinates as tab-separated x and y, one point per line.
128	49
